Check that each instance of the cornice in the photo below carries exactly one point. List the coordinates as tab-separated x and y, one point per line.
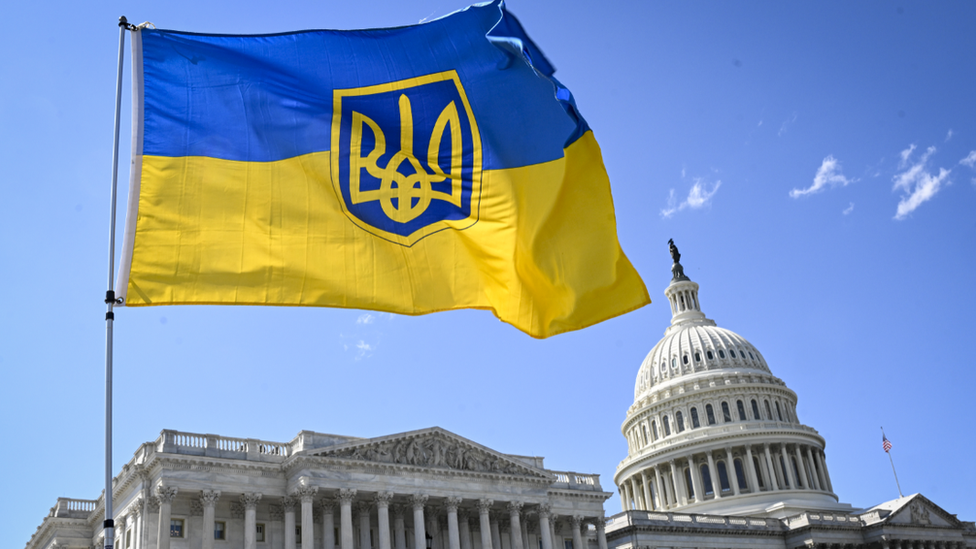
48	523
299	462
696	529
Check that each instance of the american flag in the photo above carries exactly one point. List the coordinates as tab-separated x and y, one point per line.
885	443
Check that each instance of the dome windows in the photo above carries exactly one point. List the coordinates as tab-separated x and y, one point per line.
778	413
697	356
732	353
741	409
694	418
674	363
710	356
679	421
654	429
721	353
755	410
726	413
750	356
684	359
769	412
667	426
710	414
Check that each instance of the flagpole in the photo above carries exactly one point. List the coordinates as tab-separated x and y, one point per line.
109	525
898	484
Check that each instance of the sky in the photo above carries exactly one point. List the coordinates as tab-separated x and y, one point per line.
815	163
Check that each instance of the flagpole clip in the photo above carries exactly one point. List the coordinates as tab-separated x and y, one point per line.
124	23
110	298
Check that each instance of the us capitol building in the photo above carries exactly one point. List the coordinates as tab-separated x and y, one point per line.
717	458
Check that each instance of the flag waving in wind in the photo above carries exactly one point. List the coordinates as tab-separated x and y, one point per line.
885	443
412	170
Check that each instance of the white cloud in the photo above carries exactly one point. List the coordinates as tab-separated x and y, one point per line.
917	184
949	135
827	174
365	318
849	209
905	154
698	197
970	160
365	350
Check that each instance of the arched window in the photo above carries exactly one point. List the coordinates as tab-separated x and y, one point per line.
742	410
694	419
726	414
755	410
697	356
710	414
769	413
706	480
667	426
723	476
740	474
654	429
691	487
778	413
684	359
679	420
644	429
721	353
674	362
709	354
759	472
732	353
750	356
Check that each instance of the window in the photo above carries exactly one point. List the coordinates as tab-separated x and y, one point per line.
674	363
176	528
697	356
709	354
689	484
742	410
755	410
740	475
259	532
654	429
667	426
721	353
694	419
732	353
680	421
684	359
750	356
726	414
128	538
769	413
568	544
706	480
664	366
723	476
759	475
220	530
710	414
644	430
778	413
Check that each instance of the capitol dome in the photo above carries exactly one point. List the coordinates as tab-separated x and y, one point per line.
712	430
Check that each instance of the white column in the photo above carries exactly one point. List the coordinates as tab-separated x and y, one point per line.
823	463
166	494
677	481
513	513
577	536
419	534
288	504
464	526
788	463
696	480
751	468
150	521
383	517
730	471
713	472
363	508
662	501
307	495
208	498
496	536
648	501
545	533
137	517
120	526
638	504
345	518
484	507
453	534
250	502
773	484
813	469
399	530
328	522
798	455
601	532
524	523
554	525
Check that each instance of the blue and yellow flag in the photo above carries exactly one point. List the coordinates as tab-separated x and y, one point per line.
411	170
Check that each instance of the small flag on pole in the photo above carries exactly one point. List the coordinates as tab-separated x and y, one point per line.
885	443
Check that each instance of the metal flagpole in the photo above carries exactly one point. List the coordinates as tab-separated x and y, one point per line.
898	484
110	301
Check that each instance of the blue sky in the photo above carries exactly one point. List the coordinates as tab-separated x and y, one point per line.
814	162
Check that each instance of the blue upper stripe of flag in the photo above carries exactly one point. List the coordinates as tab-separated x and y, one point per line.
269	97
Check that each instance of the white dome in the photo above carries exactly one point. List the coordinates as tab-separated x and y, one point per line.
693	348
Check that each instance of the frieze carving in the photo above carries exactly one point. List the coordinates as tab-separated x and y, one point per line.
920	515
237	510
433	450
208	498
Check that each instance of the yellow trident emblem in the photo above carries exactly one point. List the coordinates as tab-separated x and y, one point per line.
412	193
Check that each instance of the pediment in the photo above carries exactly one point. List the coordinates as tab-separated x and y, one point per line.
432	448
919	511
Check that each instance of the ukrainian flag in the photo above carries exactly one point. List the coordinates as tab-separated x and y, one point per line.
411	170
